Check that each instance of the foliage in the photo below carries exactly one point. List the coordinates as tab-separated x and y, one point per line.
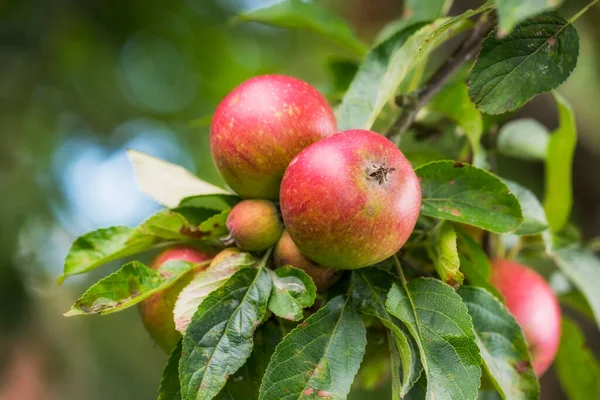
254	332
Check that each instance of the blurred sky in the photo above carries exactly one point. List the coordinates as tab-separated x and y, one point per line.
82	81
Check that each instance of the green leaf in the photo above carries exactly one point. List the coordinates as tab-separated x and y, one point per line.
463	193
502	345
576	301
536	57
320	357
525	139
534	216
296	14
104	245
577	369
512	12
370	287
219	339
245	383
474	263
216	202
168	183
388	64
292	291
582	268
421	145
170	389
131	284
443	252
453	101
366	95
439	322
559	166
426	10
204	284
342	73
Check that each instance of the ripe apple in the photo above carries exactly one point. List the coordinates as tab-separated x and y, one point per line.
261	126
254	225
350	200
157	310
287	253
535	307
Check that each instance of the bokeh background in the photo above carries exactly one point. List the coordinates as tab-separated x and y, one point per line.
83	80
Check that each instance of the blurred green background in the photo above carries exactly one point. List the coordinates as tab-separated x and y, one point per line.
83	80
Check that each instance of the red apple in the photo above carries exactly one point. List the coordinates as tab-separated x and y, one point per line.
254	225
350	200
261	126
287	253
535	307
157	310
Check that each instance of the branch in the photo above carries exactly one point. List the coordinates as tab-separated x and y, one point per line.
466	51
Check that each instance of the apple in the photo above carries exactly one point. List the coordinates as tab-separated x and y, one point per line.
350	200
533	304
157	310
254	224
287	253
261	126
223	254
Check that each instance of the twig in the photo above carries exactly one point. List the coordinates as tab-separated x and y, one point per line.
467	50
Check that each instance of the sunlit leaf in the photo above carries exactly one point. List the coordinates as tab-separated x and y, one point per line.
525	139
204	284
104	245
219	338
558	198
168	183
131	284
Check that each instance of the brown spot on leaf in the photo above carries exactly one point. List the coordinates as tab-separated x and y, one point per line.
308	392
458	164
551	41
323	393
522	366
452	182
216	225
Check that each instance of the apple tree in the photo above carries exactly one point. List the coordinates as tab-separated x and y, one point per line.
366	233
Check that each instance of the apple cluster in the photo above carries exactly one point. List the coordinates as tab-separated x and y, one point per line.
326	201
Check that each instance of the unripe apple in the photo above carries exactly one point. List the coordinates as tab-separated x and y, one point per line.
261	126
157	310
287	253
254	225
533	304
350	200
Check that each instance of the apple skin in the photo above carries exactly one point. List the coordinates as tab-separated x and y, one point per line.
157	310
254	225
223	254
533	304
350	200
287	253
261	126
